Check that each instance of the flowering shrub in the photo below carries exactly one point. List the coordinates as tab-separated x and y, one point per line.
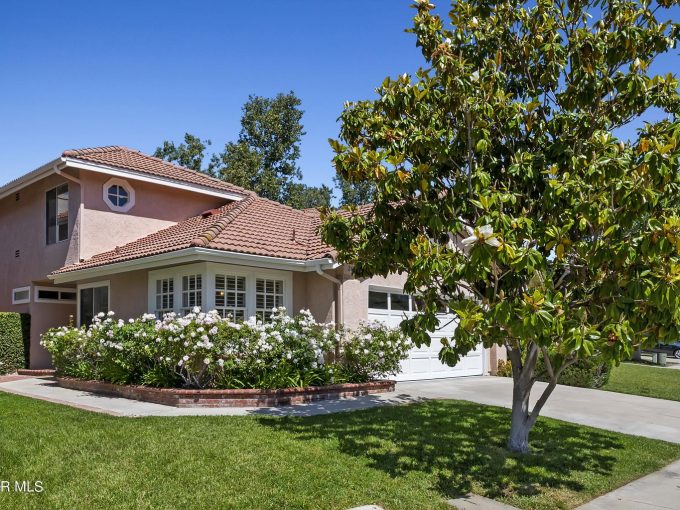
204	350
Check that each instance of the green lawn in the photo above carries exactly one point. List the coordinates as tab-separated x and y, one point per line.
645	380
403	457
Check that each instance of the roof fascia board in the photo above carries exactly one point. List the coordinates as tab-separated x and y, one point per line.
30	178
194	254
131	174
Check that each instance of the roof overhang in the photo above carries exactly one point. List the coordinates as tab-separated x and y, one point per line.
191	255
63	162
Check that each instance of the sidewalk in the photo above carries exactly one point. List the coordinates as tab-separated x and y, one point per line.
660	490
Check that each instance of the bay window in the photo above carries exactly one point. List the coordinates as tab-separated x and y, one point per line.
230	296
192	292
268	295
238	292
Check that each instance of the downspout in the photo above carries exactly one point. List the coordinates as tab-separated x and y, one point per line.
81	207
339	315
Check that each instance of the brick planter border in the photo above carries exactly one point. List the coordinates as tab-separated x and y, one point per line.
36	372
178	397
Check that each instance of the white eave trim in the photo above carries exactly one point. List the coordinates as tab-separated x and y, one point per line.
131	174
191	255
29	178
60	163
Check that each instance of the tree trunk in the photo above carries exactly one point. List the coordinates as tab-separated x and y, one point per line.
518	441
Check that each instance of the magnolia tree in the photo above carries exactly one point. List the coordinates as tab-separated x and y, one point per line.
504	192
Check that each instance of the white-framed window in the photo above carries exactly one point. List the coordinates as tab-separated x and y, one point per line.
192	292
61	295
21	295
268	295
228	288
165	296
230	296
93	299
118	195
56	214
391	301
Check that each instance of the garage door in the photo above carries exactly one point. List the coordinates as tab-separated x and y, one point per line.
391	307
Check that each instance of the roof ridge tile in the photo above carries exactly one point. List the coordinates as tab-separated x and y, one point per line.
216	228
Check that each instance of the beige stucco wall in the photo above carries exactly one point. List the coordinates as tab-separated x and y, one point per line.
355	294
43	317
316	293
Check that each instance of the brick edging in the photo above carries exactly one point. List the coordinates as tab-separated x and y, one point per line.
36	372
179	397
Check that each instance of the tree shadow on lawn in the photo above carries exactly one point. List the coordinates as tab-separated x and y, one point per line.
462	445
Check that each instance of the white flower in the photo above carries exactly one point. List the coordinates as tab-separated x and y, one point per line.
111	313
100	315
206	361
196	309
447	40
220	362
185	358
483	234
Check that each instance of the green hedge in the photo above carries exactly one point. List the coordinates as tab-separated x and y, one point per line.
15	338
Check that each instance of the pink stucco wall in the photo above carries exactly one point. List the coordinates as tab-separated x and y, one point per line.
92	229
156	207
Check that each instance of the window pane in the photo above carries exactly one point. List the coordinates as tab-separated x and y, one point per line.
67	296
399	302
86	306
48	294
62	212
51	217
101	300
377	300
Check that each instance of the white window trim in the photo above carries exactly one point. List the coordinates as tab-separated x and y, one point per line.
103	283
21	301
37	290
208	270
115	181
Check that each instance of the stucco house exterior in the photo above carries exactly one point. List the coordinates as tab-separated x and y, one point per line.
111	228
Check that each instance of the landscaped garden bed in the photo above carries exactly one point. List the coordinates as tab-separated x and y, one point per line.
246	397
203	359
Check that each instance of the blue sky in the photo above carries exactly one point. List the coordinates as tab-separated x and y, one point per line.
89	73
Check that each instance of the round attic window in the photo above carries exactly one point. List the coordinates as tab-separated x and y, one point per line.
119	195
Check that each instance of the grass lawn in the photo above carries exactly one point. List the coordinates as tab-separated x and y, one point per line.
403	457
648	381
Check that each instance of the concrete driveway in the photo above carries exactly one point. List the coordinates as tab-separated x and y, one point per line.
631	414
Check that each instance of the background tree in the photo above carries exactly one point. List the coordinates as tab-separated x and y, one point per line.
502	190
354	193
263	158
301	196
189	154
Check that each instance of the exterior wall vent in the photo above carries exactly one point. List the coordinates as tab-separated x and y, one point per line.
17	197
17	254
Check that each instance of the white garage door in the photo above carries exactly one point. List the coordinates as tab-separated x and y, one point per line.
423	362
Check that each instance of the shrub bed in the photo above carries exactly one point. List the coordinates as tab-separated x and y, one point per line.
587	373
15	332
204	350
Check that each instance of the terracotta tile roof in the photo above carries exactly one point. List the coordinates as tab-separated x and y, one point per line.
131	159
254	226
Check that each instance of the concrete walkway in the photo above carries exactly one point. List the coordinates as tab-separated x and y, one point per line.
660	490
44	388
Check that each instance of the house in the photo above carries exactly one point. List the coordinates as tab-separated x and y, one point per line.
111	228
